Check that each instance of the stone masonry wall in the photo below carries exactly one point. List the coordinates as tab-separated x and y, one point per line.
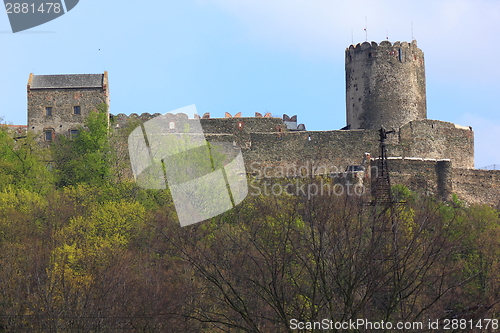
62	102
265	147
385	84
304	153
244	124
436	139
427	176
440	179
428	139
212	125
318	152
477	186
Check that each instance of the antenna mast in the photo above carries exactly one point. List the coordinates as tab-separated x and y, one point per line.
366	28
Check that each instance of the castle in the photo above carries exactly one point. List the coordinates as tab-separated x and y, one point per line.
385	86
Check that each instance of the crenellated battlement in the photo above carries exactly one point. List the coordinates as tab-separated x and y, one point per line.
259	123
402	51
383	44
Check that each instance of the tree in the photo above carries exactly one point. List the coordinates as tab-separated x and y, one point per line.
23	163
86	158
281	257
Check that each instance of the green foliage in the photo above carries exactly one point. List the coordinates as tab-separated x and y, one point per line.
401	193
456	201
88	157
480	230
23	163
108	225
270	259
20	200
78	257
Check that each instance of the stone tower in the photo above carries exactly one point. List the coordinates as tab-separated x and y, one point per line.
385	85
58	104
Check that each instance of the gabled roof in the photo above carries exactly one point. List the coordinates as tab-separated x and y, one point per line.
66	81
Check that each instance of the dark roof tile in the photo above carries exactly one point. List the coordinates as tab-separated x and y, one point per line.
67	81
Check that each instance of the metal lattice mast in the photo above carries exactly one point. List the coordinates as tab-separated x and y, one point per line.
385	229
382	184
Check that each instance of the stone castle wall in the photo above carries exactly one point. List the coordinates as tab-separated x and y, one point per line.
227	125
424	153
477	186
428	139
440	178
318	151
430	176
436	139
417	151
267	143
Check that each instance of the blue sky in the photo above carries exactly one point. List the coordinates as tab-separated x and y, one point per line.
278	56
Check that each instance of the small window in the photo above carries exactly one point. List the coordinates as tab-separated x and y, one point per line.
73	133
76	109
48	111
48	135
171	125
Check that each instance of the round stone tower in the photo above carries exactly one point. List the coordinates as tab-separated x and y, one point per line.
385	84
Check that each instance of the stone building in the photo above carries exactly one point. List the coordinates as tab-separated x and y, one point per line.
58	104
